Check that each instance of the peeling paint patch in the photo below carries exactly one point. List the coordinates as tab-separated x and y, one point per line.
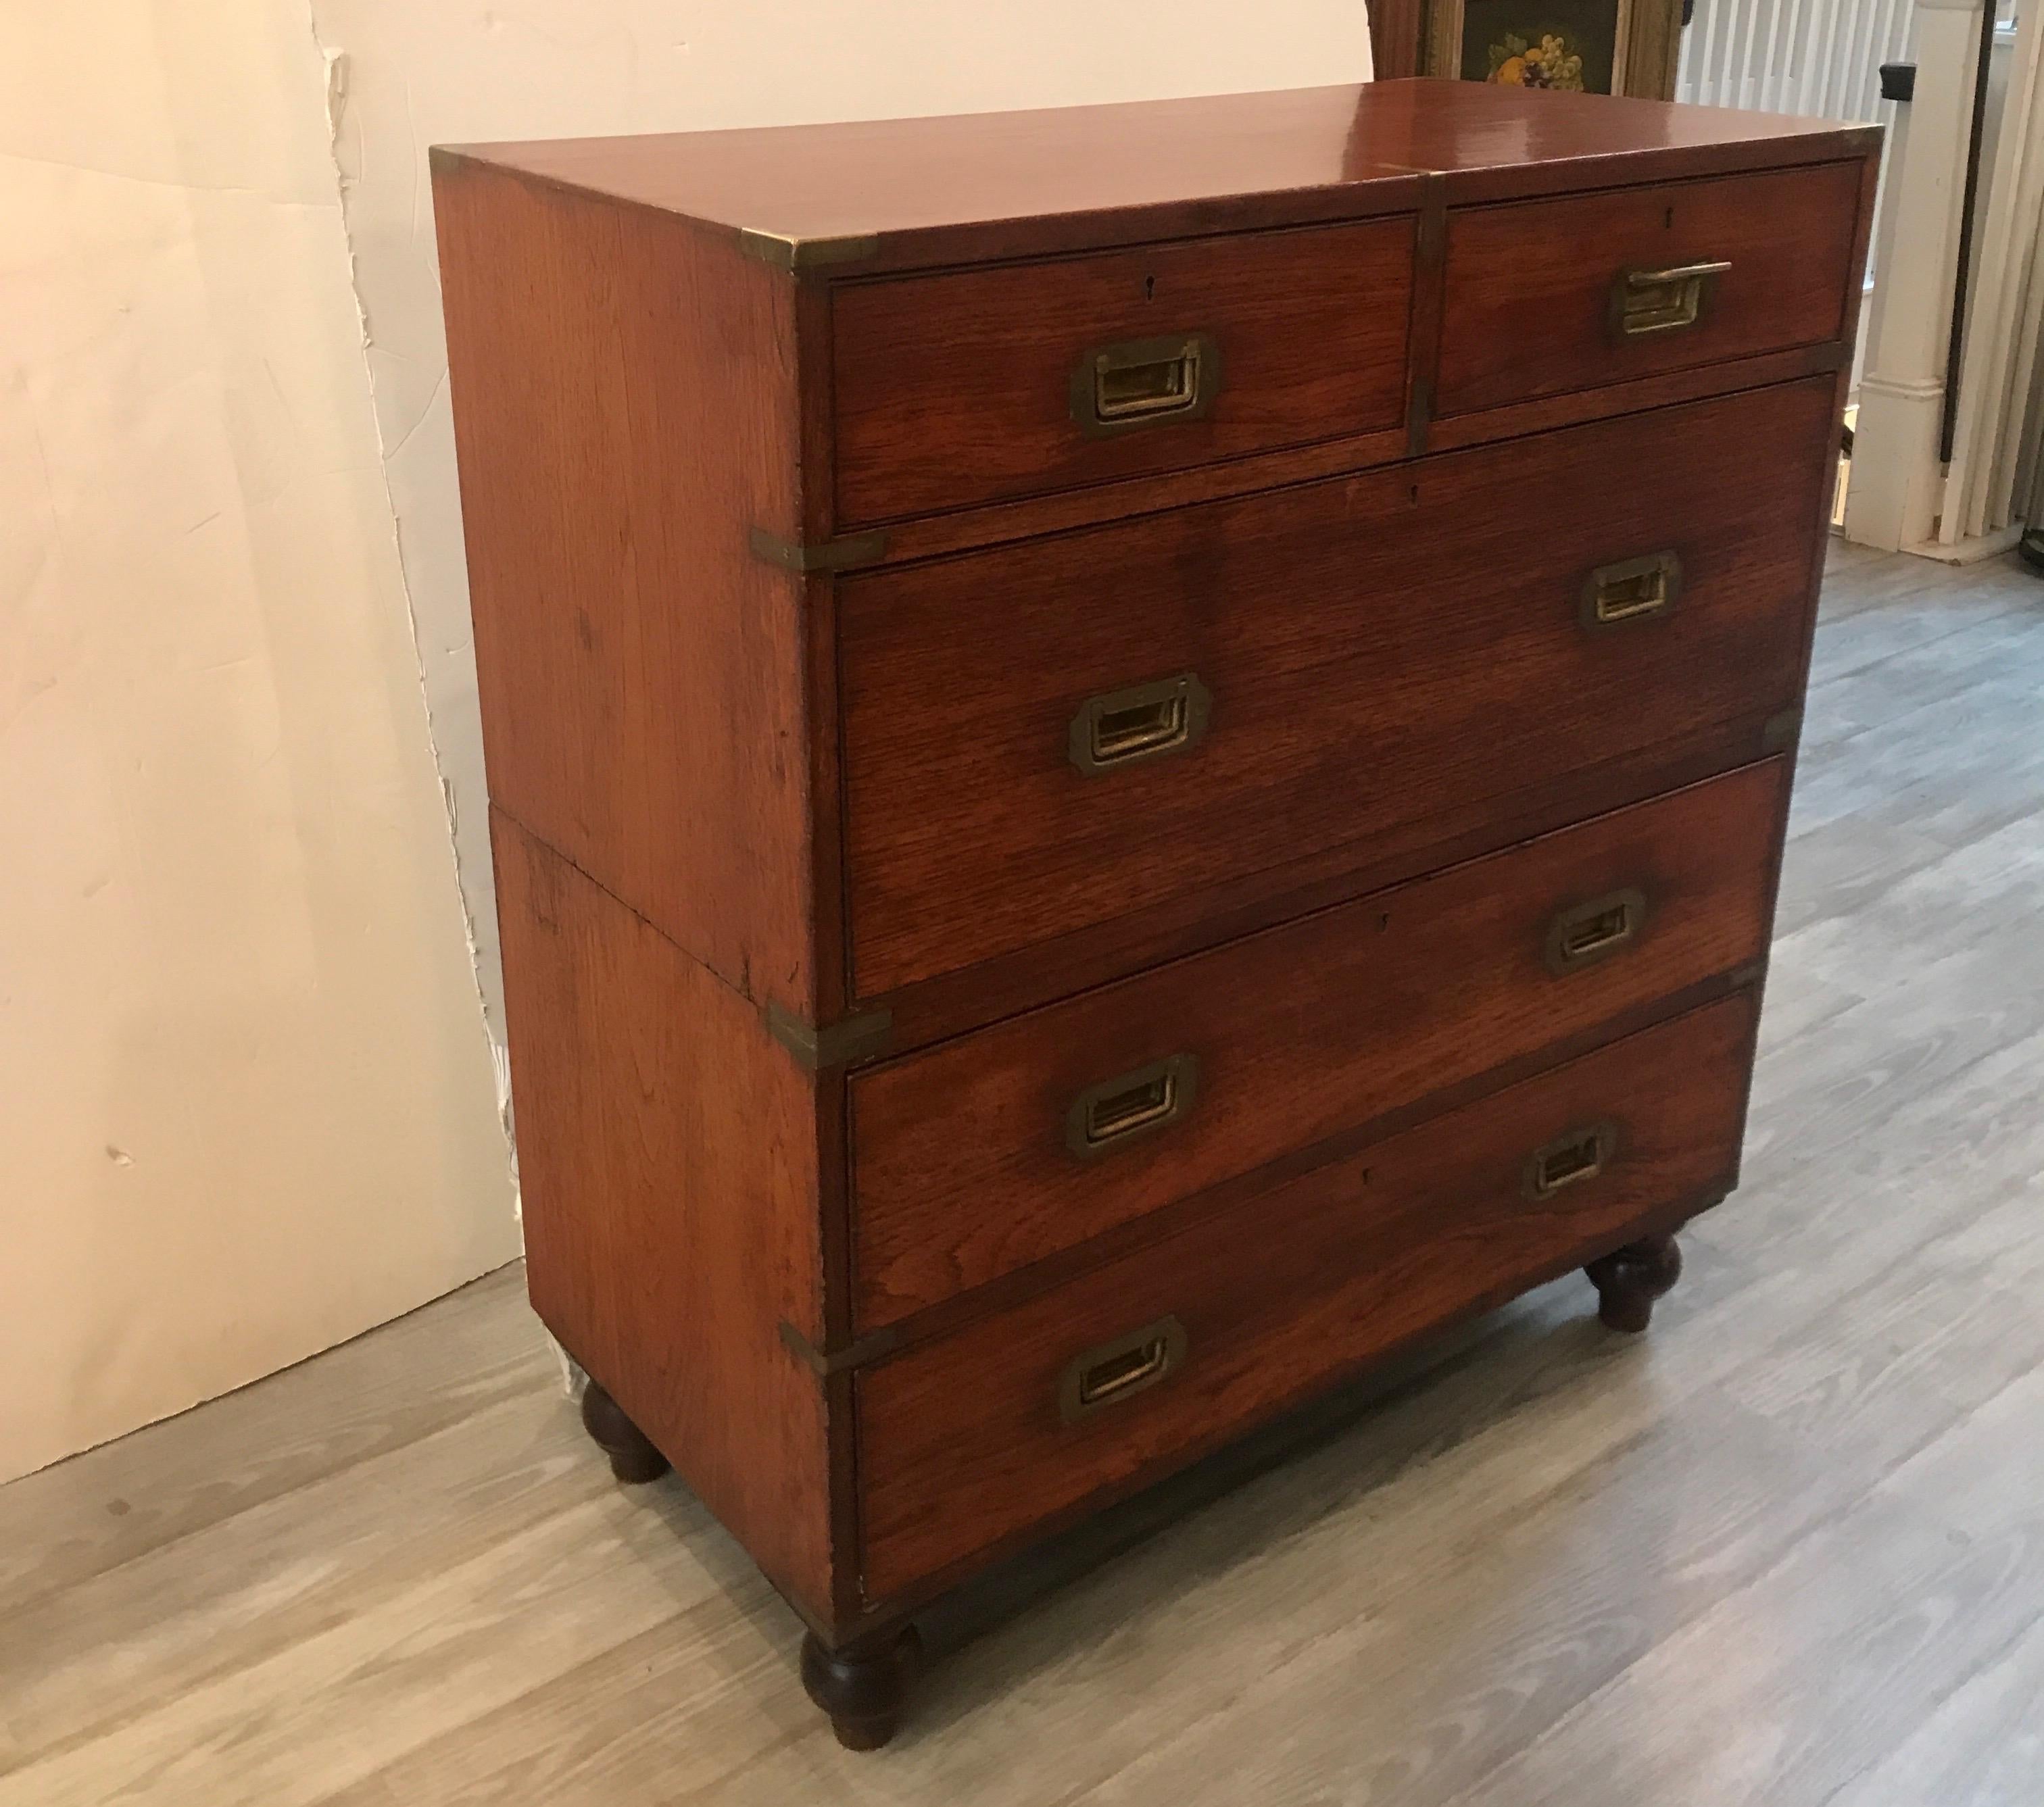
336	90
338	65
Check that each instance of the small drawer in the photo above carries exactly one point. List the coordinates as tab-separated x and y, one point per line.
1142	1364
984	384
1011	1144
1169	704
1546	297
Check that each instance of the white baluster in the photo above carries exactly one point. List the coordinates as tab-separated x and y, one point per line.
1770	82
1709	85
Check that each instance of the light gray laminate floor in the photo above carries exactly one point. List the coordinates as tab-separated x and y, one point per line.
1788	1549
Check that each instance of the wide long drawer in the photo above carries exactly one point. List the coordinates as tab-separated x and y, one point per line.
1008	1146
978	385
1141	1364
1062	732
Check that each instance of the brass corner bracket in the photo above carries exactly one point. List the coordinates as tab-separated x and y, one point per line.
838	1361
835	1044
827	555
799	256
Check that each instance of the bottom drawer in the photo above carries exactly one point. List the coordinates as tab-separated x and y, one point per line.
1143	1364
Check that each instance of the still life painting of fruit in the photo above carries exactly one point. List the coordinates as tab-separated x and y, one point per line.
1578	45
1550	63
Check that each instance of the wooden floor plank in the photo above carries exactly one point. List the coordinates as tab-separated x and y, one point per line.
376	1394
1919	773
383	1678
223	1601
1931	673
1982	1747
1805	1678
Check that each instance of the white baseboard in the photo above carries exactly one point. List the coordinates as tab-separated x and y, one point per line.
1968	551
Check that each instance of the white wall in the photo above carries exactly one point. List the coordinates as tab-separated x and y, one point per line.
246	1104
416	74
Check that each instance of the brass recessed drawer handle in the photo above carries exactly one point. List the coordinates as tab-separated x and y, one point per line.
1120	1110
1573	1160
1119	1370
1633	589
1663	301
1144	721
1145	382
1585	933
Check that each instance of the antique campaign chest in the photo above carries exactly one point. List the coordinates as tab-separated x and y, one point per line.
1136	754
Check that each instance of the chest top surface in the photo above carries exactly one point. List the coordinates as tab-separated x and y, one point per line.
1215	163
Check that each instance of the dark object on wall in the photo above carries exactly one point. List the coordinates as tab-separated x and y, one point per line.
1599	47
1033	944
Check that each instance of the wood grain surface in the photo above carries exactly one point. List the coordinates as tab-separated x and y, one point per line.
961	1443
1527	307
984	185
960	1168
956	390
1381	651
625	412
1765	1557
669	1162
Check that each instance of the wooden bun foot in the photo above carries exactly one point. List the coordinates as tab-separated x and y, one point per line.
633	1459
862	1689
1629	1280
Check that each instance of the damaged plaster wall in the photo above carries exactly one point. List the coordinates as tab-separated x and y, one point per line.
462	70
246	1103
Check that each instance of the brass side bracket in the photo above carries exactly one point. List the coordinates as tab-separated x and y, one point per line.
836	1044
801	255
828	555
853	1355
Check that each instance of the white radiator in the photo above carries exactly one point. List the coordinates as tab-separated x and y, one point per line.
1819	57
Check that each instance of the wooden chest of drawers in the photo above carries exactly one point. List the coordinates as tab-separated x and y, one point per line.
1136	754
